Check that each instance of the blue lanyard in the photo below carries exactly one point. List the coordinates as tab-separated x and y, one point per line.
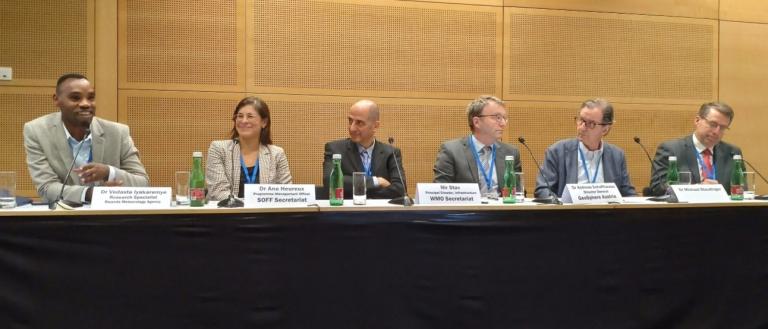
586	169
249	179
710	175
367	166
489	175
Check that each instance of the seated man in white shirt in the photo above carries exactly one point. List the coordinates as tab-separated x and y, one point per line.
586	158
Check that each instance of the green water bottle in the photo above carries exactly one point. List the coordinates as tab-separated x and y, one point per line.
336	183
737	179
510	181
197	181
673	174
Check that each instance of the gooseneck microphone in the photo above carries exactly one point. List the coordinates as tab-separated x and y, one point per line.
647	190
637	140
60	203
231	201
552	199
404	200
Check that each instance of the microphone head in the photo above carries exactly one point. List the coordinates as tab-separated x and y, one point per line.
637	139
391	140
236	140
521	140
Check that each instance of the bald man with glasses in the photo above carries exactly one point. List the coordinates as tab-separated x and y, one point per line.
703	153
587	158
479	157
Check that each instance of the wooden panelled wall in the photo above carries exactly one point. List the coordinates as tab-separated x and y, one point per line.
174	70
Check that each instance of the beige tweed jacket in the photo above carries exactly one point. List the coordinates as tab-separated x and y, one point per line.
273	168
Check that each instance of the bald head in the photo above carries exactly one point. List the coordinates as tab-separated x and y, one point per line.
369	106
363	122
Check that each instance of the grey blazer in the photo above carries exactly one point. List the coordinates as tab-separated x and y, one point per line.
382	163
49	155
561	166
685	151
456	162
273	168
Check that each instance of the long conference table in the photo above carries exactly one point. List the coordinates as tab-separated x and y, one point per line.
631	265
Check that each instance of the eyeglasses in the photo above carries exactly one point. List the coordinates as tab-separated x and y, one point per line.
246	117
589	124
500	118
713	124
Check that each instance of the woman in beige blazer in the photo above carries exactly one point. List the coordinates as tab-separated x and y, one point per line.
256	160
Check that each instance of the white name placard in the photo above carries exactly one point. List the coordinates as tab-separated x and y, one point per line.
591	193
131	197
447	193
271	195
700	193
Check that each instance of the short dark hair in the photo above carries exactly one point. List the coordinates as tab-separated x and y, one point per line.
723	108
602	104
66	77
262	109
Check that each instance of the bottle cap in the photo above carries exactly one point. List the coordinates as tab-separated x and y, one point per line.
197	154
337	156
737	156
672	158
509	158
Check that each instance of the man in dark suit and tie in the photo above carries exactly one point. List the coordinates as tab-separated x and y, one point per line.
361	152
479	157
587	158
709	159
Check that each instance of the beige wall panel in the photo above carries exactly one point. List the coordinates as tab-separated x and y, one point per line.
374	48
744	10
42	39
182	44
168	126
105	58
568	56
497	3
681	8
743	85
17	106
544	123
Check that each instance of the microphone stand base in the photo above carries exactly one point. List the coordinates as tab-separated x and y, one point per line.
64	205
661	198
547	200
403	200
230	202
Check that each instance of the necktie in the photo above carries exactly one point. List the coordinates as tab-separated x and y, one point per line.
706	155
485	154
366	162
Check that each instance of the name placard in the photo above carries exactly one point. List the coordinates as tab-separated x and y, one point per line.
271	195
447	193
700	193
131	197
591	193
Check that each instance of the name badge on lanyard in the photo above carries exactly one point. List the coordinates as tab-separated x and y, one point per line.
250	179
488	176
586	168
710	174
